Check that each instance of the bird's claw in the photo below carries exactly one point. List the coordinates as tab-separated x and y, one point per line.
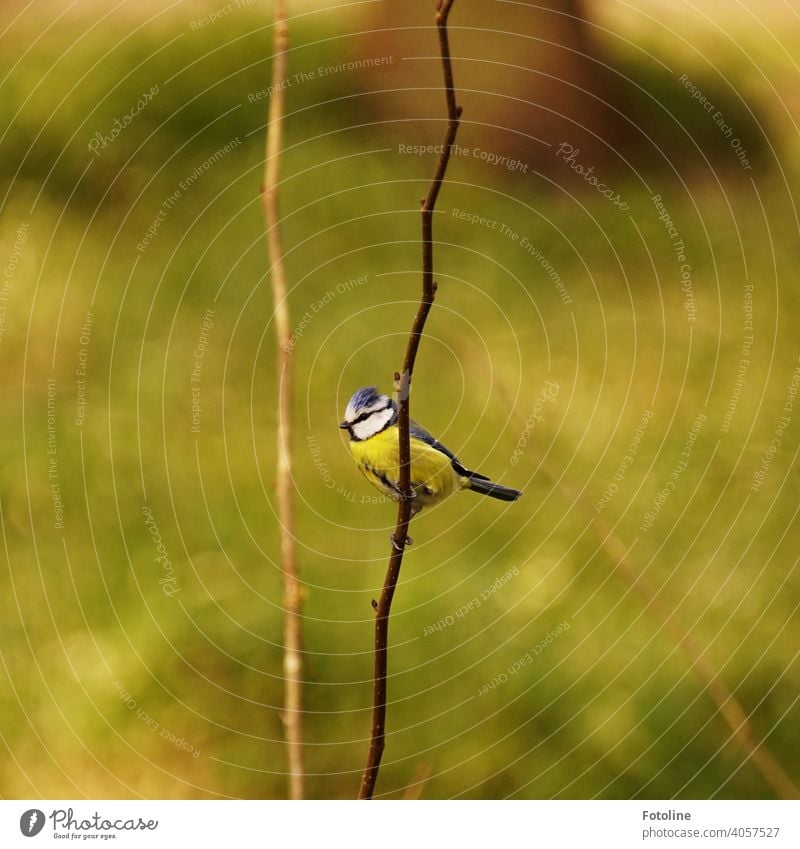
396	545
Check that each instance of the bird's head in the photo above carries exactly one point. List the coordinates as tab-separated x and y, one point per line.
368	412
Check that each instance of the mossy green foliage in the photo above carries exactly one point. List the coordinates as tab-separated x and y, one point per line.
144	658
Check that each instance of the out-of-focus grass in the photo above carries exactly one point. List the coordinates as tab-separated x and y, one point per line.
610	708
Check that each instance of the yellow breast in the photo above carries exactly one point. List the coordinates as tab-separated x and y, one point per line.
432	475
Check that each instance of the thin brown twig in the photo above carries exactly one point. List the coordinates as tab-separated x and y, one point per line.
729	707
292	716
403	388
417	784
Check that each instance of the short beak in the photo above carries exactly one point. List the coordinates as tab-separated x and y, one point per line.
344	426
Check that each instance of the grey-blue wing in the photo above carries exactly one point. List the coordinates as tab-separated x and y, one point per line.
419	432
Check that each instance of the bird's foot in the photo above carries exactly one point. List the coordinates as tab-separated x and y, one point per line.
396	545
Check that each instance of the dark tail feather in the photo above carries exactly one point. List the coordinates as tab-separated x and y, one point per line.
494	490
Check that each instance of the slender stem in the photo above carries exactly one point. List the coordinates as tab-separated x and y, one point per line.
292	594
403	387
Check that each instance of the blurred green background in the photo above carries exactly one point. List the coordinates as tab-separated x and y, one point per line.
136	285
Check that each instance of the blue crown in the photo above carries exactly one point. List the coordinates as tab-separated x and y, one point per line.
365	397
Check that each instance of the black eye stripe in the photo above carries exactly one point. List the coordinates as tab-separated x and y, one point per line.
364	416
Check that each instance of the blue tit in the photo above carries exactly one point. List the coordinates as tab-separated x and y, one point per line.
371	421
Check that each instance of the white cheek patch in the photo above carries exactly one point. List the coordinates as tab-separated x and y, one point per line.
374	424
351	413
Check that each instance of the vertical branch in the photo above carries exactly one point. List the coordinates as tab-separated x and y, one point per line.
403	388
292	596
